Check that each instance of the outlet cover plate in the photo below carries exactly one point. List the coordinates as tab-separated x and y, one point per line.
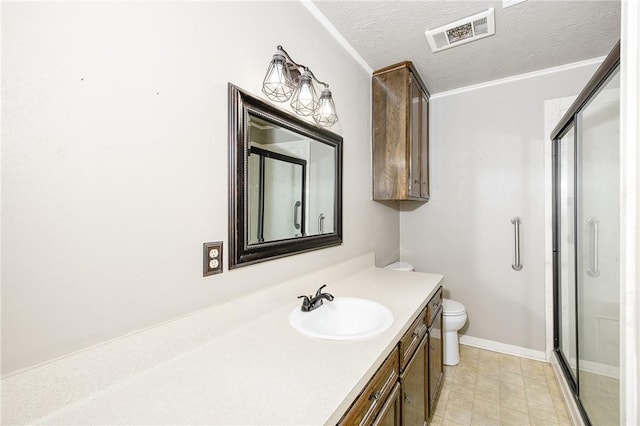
212	258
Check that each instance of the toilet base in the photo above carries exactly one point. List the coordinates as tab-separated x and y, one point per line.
451	349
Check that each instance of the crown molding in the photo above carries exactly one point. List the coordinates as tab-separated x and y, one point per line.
533	74
324	21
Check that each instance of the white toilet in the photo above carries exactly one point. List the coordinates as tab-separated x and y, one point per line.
454	318
401	266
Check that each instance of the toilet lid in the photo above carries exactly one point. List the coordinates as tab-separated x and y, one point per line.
451	307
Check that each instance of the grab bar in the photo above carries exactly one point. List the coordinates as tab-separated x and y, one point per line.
321	223
516	266
593	247
296	221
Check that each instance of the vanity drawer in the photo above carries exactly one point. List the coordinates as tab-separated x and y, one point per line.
411	339
369	403
433	306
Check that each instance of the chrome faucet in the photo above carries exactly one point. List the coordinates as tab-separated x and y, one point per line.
309	303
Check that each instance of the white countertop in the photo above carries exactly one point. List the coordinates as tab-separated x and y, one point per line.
262	371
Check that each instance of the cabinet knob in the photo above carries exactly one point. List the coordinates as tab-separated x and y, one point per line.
375	396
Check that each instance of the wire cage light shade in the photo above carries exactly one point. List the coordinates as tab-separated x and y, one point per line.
287	80
305	99
325	115
278	84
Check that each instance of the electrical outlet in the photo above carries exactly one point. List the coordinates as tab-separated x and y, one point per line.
211	258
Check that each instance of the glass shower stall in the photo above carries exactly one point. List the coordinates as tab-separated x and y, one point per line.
586	240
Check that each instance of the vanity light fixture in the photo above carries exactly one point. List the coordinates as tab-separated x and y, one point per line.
286	79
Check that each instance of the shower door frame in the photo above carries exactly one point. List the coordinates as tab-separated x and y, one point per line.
570	119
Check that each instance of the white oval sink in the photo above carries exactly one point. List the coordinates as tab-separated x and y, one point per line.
344	318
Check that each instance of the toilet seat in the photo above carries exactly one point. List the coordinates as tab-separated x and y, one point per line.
452	307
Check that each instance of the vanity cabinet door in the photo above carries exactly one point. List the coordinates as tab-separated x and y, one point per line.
390	413
414	389
436	365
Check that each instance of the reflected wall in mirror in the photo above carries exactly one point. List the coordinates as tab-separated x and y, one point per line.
285	175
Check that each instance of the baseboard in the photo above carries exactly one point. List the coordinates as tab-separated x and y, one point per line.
502	348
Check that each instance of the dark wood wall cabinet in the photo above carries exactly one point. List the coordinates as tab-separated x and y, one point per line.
404	391
400	134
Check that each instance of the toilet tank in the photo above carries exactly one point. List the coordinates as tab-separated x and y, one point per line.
401	266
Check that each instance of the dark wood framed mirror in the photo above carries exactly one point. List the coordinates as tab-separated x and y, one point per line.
285	183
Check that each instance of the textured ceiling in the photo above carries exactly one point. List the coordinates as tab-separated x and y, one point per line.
530	36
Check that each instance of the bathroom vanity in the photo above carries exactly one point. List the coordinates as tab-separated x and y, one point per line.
243	363
405	388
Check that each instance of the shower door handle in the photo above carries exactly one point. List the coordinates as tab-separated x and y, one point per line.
593	247
516	266
296	209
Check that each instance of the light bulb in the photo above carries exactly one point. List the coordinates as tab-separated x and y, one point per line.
277	84
325	115
304	100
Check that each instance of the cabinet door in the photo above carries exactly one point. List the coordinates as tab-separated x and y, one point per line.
436	366
424	146
390	413
414	137
414	389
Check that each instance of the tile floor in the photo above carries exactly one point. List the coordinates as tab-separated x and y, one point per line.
489	388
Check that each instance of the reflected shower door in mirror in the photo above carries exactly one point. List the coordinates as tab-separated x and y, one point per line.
283	168
276	196
285	183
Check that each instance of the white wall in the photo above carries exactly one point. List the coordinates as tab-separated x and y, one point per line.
114	162
487	165
630	213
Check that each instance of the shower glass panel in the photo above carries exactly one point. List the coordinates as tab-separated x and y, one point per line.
598	253
566	296
586	239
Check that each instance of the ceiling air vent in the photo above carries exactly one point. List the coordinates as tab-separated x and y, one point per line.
463	31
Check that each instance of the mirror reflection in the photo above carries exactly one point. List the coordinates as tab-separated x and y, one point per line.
285	183
291	179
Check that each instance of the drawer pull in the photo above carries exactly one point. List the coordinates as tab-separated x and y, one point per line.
375	397
416	336
420	331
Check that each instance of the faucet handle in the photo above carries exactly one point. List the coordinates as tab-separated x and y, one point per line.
306	303
319	292
328	296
